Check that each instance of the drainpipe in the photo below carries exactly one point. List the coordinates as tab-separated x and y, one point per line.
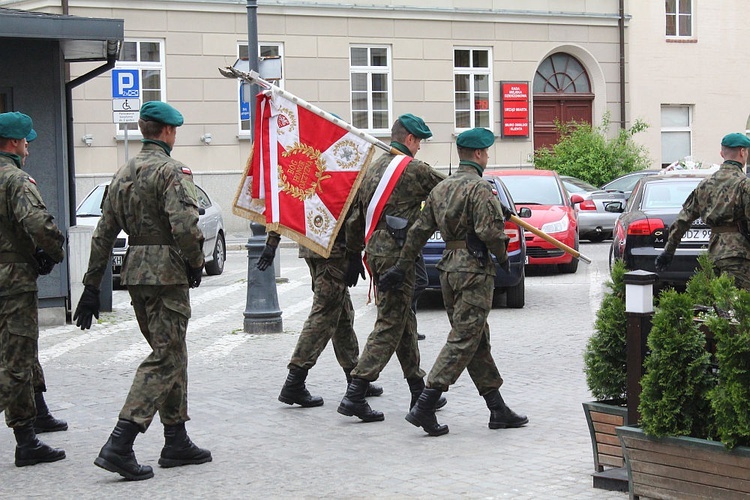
621	23
113	50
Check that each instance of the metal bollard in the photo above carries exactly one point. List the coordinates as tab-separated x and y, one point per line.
639	309
262	313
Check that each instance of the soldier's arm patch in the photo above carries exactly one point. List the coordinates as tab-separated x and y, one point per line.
186	170
31	180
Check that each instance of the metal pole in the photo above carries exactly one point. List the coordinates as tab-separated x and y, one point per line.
262	313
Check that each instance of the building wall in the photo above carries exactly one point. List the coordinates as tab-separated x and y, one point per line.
201	36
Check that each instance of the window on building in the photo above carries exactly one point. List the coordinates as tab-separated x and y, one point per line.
472	88
146	56
679	18
370	71
6	95
265	51
676	141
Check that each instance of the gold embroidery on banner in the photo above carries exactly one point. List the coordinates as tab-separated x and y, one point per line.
319	221
346	153
286	118
304	172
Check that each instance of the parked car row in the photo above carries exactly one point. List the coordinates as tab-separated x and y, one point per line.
210	222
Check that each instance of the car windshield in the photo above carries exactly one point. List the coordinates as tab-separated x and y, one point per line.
666	194
534	189
92	205
574	185
626	183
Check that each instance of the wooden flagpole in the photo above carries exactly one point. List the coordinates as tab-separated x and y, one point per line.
254	77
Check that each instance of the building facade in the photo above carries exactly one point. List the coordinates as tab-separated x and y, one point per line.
513	68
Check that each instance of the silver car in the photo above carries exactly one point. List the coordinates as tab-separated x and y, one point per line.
210	222
598	211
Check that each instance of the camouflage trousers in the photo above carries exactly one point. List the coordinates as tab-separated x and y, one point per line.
19	352
738	268
331	317
395	328
160	383
468	300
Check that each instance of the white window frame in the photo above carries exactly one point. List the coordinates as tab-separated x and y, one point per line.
141	65
369	71
677	129
680	18
244	133
472	72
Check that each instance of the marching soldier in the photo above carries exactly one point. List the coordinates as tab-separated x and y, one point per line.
153	199
723	202
387	204
31	244
470	219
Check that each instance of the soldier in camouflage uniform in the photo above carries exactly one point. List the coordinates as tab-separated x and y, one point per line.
331	318
395	328
470	219
723	202
153	199
30	245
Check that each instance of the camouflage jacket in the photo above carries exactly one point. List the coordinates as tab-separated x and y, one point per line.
462	203
412	188
162	206
723	199
26	224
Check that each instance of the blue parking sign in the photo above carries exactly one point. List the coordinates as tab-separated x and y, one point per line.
125	84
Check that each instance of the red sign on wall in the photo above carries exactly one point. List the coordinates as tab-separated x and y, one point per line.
515	109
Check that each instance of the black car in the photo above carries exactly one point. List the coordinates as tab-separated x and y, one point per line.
512	283
642	230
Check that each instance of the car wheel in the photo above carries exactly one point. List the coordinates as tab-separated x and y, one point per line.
516	296
216	266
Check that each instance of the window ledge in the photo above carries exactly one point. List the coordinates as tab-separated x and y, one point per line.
681	40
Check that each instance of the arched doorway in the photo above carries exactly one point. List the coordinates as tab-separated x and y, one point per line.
562	92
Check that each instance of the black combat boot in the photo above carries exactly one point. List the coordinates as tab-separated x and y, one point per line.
294	390
372	389
44	421
416	386
500	415
355	404
30	451
117	453
179	449
423	413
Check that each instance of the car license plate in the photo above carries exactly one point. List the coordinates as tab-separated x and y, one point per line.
116	260
697	235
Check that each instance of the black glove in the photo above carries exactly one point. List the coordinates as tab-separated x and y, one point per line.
505	265
506	212
194	275
266	258
663	260
392	279
355	269
88	307
45	262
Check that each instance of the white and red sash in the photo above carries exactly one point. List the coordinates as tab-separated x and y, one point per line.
385	187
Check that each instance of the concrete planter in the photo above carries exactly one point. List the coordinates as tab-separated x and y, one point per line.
683	467
603	417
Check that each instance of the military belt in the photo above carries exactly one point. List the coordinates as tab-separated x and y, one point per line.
154	239
13	258
455	245
725	229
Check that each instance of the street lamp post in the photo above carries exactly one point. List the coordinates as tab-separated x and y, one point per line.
262	313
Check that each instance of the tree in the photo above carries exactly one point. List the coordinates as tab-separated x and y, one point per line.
585	151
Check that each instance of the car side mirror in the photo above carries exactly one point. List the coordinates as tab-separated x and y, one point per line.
575	199
201	211
614	207
524	213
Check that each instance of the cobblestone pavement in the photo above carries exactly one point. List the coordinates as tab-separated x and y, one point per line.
265	449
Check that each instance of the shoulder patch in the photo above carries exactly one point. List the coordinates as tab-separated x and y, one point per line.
31	179
186	171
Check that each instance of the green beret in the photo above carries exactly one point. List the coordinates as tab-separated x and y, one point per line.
735	140
475	138
415	125
16	125
157	111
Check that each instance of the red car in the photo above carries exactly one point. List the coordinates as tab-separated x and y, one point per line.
552	211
